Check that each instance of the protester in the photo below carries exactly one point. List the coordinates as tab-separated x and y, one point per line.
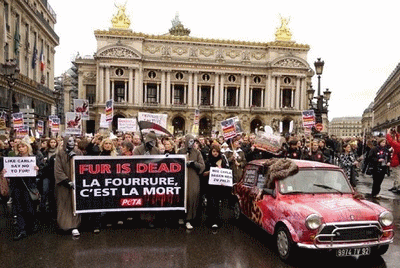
379	157
215	193
62	172
236	158
24	208
393	138
47	202
315	154
195	164
348	162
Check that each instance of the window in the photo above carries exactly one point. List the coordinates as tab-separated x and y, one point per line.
119	72
6	16
48	53
205	95
6	51
179	94
287	98
232	78
152	74
256	97
91	93
206	77
179	76
257	80
287	80
231	97
152	93
119	91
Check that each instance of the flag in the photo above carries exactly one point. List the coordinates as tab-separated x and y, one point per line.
34	56
42	64
151	125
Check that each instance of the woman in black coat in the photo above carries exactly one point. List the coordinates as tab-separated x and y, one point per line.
379	158
24	208
215	193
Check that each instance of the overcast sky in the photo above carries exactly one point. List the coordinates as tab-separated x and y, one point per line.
358	40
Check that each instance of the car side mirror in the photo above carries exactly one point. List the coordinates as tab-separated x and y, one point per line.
268	192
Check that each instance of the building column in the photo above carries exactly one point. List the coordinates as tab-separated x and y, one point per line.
272	92
262	98
292	98
107	83
101	85
237	96
267	101
185	100
126	92
212	94
190	89
168	88
243	91
97	83
216	91
173	94
163	92
195	91
113	90
145	93
222	91
297	98
303	94
158	93
130	86
199	100
278	93
251	96
247	103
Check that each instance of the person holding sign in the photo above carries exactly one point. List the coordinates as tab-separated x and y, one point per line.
24	207
215	193
62	172
236	158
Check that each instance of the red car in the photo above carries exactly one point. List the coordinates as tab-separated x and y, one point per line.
311	205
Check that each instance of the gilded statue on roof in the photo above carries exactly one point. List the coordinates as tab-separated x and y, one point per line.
283	33
121	20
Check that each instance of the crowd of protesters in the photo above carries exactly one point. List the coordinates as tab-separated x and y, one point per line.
371	156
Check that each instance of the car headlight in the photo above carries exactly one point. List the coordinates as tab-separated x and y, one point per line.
313	221
386	218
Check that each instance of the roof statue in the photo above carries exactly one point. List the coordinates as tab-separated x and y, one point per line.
177	27
120	20
283	33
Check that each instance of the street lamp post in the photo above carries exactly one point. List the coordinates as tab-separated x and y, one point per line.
321	105
10	71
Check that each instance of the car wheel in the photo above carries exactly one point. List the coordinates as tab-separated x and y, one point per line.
378	251
236	210
284	244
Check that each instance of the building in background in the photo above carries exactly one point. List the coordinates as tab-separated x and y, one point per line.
367	120
27	35
174	74
343	127
387	104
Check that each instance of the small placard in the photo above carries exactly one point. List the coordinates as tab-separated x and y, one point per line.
20	166
220	176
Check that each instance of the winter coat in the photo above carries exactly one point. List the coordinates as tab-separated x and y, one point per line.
193	180
395	161
237	170
62	172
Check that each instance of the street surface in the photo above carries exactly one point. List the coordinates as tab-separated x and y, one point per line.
133	245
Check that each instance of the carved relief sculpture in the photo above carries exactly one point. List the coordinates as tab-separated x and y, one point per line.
119	52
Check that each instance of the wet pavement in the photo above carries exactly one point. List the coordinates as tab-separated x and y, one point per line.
235	244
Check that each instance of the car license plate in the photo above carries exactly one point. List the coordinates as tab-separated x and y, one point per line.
344	252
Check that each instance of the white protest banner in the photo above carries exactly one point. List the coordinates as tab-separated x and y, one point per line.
22	132
228	128
308	118
82	106
20	166
40	127
220	176
103	121
73	123
268	142
159	119
18	119
109	110
127	124
55	125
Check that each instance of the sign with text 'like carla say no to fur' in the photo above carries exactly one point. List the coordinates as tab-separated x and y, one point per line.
20	166
134	183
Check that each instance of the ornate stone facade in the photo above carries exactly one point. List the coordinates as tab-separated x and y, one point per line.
176	74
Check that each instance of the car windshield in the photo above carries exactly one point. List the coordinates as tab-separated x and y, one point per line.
314	182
